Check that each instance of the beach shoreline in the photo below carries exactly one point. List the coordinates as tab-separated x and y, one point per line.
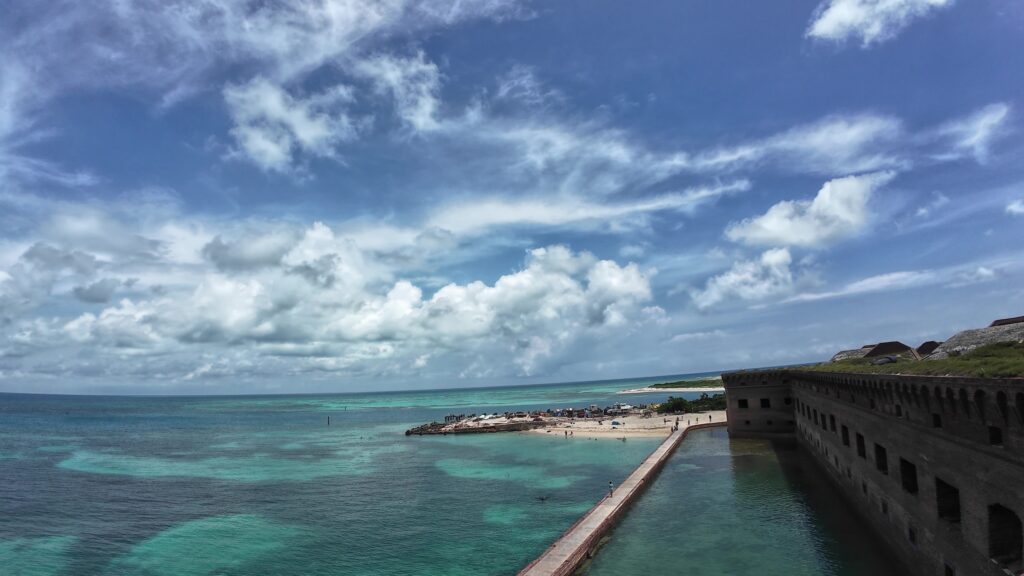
631	426
649	390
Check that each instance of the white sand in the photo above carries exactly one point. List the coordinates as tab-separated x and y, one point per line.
632	425
649	390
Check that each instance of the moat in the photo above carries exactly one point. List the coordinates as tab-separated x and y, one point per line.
742	506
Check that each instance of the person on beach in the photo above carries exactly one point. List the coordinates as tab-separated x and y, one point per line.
611	491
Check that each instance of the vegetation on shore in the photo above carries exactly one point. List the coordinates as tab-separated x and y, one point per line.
705	383
702	404
1000	360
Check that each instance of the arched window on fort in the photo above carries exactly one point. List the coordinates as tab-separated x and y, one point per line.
1005	537
1001	405
979	404
951	400
965	403
1020	407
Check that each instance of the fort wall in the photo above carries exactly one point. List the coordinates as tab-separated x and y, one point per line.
935	464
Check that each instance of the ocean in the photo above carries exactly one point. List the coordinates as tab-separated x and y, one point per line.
262	485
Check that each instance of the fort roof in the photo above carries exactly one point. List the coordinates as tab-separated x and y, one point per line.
927	348
1007	321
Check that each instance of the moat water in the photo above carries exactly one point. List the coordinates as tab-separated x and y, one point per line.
740	506
260	485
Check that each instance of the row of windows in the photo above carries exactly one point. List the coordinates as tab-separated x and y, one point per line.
1006	536
743	403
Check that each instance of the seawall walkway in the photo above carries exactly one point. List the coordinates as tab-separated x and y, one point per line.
581	539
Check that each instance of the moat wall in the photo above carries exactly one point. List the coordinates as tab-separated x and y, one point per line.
935	464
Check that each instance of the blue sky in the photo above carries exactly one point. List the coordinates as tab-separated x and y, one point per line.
228	196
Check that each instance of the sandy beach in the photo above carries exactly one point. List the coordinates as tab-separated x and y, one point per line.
631	426
649	390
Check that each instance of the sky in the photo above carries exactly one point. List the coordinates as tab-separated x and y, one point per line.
231	196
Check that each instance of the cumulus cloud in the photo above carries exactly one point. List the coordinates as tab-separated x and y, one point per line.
749	280
98	292
839	210
869	21
264	300
1015	208
533	313
264	248
31	280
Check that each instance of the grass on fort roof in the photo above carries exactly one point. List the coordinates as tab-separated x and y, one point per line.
1001	360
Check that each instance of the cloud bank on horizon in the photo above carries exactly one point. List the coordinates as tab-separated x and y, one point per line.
240	196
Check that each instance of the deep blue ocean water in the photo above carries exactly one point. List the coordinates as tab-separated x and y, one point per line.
261	485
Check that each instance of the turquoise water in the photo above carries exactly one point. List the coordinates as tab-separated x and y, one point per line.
723	506
261	484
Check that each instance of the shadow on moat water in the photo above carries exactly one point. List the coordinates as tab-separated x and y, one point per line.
842	538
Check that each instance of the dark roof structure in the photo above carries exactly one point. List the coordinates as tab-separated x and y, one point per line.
927	348
876	350
888	349
1006	321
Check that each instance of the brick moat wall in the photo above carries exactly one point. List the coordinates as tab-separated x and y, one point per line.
936	464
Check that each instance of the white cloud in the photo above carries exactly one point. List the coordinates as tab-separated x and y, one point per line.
952	277
938	201
880	283
521	84
271	126
870	21
974	134
840	143
479	215
632	251
413	83
749	280
839	210
173	49
693	336
1015	208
